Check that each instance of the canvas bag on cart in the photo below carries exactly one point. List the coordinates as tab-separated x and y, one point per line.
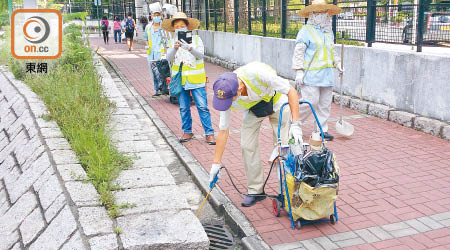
311	203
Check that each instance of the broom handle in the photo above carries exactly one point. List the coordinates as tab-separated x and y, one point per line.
341	75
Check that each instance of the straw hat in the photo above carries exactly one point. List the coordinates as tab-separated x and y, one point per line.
319	6
193	23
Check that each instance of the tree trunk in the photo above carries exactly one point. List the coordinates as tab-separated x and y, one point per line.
243	14
230	12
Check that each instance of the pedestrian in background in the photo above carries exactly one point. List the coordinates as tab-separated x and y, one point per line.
193	80
314	60
155	48
117	31
104	24
130	28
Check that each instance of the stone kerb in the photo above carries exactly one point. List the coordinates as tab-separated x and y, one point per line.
45	200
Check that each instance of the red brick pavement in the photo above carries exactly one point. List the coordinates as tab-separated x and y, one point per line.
389	173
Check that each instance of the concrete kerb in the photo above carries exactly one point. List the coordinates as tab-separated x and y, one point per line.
221	203
431	126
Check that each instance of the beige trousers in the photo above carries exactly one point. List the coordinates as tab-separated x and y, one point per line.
250	149
320	98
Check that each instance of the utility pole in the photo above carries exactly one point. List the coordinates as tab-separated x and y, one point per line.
98	18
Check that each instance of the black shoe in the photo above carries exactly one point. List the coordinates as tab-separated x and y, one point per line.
250	199
327	136
157	94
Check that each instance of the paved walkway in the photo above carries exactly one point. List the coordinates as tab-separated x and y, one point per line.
390	174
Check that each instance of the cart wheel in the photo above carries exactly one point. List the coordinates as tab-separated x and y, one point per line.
276	207
173	99
332	219
298	224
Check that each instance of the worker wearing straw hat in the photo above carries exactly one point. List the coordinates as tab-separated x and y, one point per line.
314	60
193	77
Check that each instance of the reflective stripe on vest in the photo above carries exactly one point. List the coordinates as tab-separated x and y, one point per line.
255	85
149	34
321	59
195	75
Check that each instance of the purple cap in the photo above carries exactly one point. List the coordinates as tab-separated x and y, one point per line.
225	88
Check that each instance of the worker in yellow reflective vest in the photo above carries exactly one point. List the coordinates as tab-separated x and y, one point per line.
189	56
314	61
257	90
155	48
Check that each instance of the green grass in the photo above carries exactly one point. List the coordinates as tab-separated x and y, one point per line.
73	96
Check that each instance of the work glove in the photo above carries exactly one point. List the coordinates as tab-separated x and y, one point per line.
185	45
146	47
295	132
273	155
299	78
339	68
215	170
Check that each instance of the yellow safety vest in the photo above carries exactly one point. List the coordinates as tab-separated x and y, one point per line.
149	33
324	56
195	75
253	82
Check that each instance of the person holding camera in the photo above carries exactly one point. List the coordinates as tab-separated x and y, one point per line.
187	51
155	48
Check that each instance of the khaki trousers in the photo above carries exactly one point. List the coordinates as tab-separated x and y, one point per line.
250	149
320	98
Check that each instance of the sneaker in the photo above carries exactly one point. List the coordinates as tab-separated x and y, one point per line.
157	94
210	140
250	199
186	137
327	136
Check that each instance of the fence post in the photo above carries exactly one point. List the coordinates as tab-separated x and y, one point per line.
215	15
183	5
371	22
225	16
236	16
283	18
249	16
335	23
207	14
264	17
306	4
420	20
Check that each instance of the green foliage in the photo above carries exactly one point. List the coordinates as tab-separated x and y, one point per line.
4	19
75	16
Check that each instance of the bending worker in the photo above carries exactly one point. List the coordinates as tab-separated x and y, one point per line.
257	90
314	60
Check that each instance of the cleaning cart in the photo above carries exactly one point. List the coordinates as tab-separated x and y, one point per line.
305	197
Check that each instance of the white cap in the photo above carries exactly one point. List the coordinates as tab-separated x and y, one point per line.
155	7
170	9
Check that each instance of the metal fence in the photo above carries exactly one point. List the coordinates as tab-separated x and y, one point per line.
370	21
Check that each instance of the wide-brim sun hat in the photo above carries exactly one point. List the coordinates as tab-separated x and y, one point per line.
193	23
319	6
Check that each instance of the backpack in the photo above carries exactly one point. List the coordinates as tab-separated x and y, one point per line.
129	25
104	27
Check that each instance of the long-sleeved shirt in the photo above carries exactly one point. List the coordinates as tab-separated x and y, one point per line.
156	36
197	51
321	77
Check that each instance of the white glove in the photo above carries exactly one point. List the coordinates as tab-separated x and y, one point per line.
215	170
295	131
185	45
299	77
273	155
146	47
339	68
